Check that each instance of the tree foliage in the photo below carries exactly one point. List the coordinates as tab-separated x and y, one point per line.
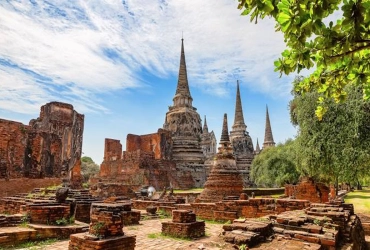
339	50
275	166
88	168
337	148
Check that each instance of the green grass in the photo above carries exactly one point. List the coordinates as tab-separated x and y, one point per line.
360	200
154	235
207	221
192	190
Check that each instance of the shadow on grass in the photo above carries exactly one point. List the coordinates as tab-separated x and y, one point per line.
356	196
359	194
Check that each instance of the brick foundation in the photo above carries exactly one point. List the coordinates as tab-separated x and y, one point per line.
183	225
307	189
79	241
105	231
48	214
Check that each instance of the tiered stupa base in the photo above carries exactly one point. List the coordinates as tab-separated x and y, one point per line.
224	181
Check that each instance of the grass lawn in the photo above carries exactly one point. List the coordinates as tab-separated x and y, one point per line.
360	200
192	190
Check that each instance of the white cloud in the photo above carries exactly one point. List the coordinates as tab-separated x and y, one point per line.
82	48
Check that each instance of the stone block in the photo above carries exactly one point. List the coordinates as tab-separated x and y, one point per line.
183	216
184	230
78	241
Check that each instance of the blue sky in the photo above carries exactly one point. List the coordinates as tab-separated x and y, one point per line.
117	63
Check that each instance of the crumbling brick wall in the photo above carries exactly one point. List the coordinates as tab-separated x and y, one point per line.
145	161
308	189
50	145
112	150
13	140
159	143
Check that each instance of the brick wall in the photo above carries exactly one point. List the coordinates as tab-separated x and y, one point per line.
112	150
252	208
159	143
13	187
13	140
307	189
50	145
137	168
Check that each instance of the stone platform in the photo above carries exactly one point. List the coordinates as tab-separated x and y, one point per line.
84	241
105	231
48	214
183	225
35	232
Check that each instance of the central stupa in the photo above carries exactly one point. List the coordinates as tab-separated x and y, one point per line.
185	125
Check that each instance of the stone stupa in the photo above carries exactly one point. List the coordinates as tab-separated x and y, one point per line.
225	180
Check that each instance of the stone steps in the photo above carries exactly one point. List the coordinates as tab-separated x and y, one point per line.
247	232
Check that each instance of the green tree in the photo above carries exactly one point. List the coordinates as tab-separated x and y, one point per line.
88	168
336	148
339	50
275	166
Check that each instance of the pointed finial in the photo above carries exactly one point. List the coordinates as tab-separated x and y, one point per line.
225	131
225	151
269	139
205	127
182	84
239	117
258	147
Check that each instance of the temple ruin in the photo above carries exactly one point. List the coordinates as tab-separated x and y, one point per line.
182	153
50	146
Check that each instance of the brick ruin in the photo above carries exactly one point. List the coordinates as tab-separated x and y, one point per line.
184	225
308	189
321	226
145	161
105	230
50	146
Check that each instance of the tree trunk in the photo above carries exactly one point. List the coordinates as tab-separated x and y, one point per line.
359	187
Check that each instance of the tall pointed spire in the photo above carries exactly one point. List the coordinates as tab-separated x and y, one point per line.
269	140
225	151
205	127
182	97
239	118
258	149
182	84
225	131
